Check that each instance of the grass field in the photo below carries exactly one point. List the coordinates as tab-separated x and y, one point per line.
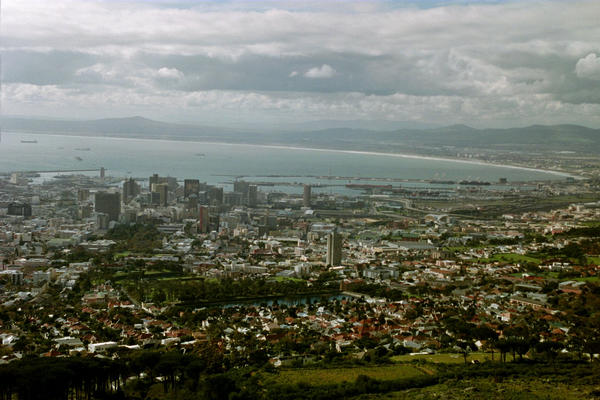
594	259
445	358
327	376
513	258
587	279
487	388
286	279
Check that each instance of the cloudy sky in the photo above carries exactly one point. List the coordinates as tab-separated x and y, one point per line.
482	63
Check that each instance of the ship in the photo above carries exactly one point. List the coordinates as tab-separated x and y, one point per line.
28	141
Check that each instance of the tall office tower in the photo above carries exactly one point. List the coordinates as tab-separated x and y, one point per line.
171	181
102	172
163	190
191	186
203	222
102	220
130	190
233	198
306	196
241	186
252	195
84	211
109	204
153	180
215	195
22	209
83	195
334	249
191	207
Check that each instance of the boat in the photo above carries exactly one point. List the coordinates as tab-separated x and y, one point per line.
82	149
79	158
28	141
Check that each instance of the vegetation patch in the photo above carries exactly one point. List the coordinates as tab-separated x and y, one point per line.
330	376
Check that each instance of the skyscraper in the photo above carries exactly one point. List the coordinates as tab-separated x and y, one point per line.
215	195
109	204
130	190
191	186
334	249
203	222
306	196
163	190
252	195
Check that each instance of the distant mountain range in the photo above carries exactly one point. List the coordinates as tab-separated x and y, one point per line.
356	135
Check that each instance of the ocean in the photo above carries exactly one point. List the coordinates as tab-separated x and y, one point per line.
219	163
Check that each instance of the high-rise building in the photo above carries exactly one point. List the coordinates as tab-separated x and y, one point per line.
102	220
241	187
215	195
191	186
108	203
153	179
203	219
83	195
334	249
306	196
163	191
252	195
22	209
130	190
233	198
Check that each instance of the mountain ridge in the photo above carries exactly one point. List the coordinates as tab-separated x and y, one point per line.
533	137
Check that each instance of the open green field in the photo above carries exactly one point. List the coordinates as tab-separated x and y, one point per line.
587	279
444	358
487	388
286	279
126	277
328	376
594	259
512	258
122	254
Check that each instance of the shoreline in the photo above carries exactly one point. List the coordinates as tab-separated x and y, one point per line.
302	148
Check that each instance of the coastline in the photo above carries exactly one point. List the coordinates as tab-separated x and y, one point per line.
303	148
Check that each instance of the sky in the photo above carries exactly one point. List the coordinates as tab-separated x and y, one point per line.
480	63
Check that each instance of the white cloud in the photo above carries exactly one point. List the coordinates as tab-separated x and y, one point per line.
169	73
324	71
588	67
388	58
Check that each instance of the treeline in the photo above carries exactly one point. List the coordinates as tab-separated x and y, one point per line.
61	378
130	375
135	238
588	231
193	292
